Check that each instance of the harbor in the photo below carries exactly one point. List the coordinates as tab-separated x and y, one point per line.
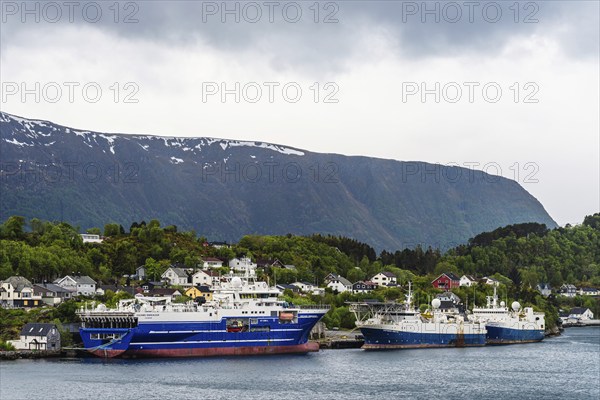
537	370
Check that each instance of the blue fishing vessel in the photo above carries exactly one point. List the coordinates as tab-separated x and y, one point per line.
504	326
400	326
245	317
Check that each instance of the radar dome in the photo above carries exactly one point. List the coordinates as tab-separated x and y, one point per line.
436	303
515	306
101	307
236	282
502	304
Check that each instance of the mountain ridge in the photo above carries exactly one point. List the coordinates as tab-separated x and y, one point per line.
225	188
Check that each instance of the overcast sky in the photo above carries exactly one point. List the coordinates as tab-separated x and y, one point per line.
517	84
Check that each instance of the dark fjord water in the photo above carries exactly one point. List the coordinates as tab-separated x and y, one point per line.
565	367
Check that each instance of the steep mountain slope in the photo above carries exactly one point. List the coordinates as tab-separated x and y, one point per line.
226	188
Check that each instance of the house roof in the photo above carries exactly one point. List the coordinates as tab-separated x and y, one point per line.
543	286
18	282
452	276
214	259
180	272
203	288
388	274
287	286
117	288
80	279
365	283
469	277
36	329
578	310
446	305
44	287
344	281
162	292
449	275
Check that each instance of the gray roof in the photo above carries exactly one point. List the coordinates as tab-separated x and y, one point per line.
50	287
36	329
344	281
452	276
577	310
18	282
84	280
80	279
181	272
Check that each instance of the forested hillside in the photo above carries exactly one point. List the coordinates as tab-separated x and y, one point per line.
519	256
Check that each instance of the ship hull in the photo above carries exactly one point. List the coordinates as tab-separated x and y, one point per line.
222	351
265	335
504	335
381	339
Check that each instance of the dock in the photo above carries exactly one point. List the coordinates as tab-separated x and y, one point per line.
341	340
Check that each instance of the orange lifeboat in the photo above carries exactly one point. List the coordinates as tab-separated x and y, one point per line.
285	316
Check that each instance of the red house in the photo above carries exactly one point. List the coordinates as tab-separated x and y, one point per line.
446	281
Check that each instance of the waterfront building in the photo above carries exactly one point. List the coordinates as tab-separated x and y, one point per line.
36	336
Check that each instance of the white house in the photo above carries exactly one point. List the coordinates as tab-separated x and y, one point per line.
363	287
140	273
36	336
177	276
211	262
581	314
78	284
568	290
242	264
204	278
88	238
544	289
306	287
338	283
18	291
587	291
490	281
468	280
385	279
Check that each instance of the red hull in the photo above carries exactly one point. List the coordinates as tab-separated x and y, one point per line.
222	351
107	353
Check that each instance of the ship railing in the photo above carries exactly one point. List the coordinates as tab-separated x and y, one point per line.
313	307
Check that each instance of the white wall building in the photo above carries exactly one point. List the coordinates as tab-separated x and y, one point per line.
338	283
385	279
88	238
176	276
35	336
81	285
17	291
468	280
242	264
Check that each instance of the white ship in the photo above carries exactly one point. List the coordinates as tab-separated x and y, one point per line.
506	326
401	326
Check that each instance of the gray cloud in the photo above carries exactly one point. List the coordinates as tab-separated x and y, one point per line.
310	46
